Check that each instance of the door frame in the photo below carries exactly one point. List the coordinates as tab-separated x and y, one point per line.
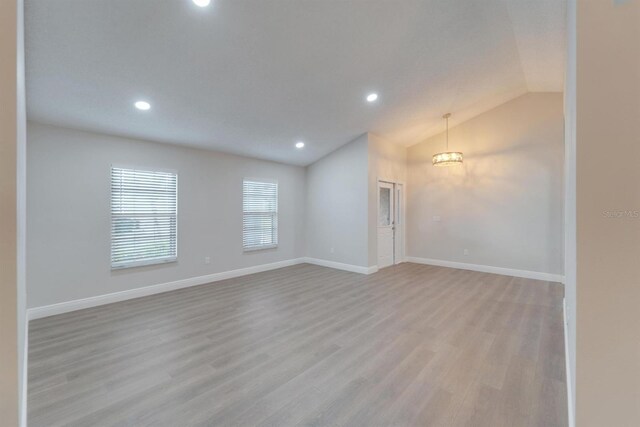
403	211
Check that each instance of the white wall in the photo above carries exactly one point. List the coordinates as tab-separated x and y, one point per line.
505	203
21	266
388	162
570	264
337	205
68	199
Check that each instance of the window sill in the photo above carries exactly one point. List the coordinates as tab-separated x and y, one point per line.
259	248
143	263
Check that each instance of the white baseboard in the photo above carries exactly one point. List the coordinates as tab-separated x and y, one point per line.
568	366
65	307
341	266
489	269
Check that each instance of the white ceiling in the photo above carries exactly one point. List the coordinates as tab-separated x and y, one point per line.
253	77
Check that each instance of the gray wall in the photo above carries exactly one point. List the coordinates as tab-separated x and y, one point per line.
337	205
505	204
68	246
11	330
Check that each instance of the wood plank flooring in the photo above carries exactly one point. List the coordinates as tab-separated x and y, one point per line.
412	345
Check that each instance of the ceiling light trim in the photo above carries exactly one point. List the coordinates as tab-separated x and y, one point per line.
201	3
142	105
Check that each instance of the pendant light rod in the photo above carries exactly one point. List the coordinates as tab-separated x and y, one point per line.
446	117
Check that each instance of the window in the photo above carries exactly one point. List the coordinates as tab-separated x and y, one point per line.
144	216
259	214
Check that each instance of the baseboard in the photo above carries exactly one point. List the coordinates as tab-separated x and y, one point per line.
65	307
489	269
341	266
571	414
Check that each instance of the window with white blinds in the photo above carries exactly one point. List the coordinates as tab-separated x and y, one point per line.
144	217
259	214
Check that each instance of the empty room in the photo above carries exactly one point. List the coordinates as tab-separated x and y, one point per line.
329	213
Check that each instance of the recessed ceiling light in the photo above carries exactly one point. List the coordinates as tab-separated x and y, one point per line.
202	3
299	144
142	105
372	97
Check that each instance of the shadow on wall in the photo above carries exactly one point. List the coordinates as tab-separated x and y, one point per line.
492	202
486	172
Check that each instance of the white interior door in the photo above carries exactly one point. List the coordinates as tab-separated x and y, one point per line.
386	214
398	232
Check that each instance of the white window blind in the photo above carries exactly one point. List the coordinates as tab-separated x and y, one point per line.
259	214
144	217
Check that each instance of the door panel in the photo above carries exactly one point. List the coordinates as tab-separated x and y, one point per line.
398	232
386	211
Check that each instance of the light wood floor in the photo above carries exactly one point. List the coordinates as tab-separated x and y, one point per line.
411	345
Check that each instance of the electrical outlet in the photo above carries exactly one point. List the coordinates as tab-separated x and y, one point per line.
436	218
466	251
207	260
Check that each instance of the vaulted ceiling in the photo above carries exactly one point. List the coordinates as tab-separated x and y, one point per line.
253	77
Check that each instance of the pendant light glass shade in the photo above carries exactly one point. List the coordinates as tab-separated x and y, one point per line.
447	158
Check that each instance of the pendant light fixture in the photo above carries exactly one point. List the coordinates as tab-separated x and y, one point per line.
447	158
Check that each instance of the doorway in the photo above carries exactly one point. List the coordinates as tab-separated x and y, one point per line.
390	223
